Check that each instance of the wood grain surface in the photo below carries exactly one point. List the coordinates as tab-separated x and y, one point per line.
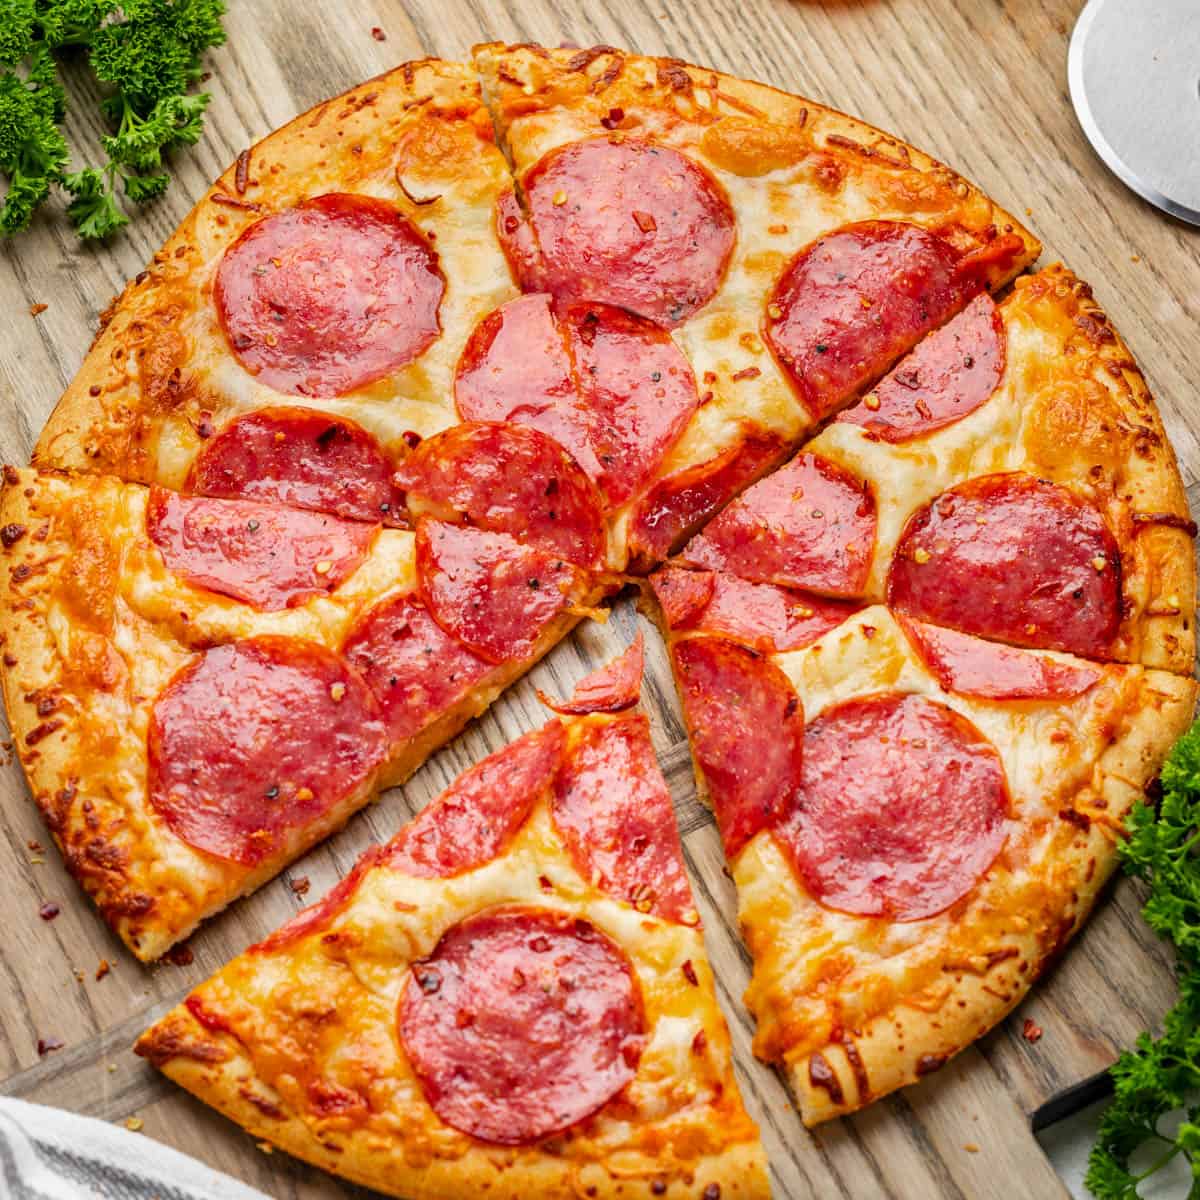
980	84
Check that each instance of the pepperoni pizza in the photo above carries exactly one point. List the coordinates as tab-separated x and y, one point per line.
512	996
422	378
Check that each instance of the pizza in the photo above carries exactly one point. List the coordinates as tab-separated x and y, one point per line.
511	996
431	374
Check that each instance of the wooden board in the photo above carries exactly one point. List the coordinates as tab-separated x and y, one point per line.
980	85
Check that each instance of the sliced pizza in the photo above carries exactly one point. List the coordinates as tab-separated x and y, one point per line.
794	252
201	688
510	998
916	819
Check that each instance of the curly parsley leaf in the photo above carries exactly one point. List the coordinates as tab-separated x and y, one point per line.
146	54
1161	1076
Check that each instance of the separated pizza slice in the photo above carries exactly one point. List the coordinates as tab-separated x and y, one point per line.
1022	485
916	819
337	269
794	252
199	688
510	998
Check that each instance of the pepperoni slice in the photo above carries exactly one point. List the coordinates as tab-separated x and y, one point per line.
476	817
971	666
747	732
325	297
300	457
678	505
769	618
255	742
489	591
613	688
1012	558
630	223
950	374
521	1023
269	557
509	479
416	670
809	525
320	916
850	304
613	811
612	388
902	809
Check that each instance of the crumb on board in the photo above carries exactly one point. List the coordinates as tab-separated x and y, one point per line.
134	1124
1031	1031
36	310
103	968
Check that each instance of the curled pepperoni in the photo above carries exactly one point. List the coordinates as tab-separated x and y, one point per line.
1012	558
950	374
489	591
509	479
971	666
325	297
518	243
613	688
679	504
747	732
254	742
630	223
850	304
269	557
809	525
300	457
902	809
613	810
612	388
476	817
521	1023
416	670
769	618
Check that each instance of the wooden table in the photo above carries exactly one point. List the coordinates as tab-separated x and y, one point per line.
981	85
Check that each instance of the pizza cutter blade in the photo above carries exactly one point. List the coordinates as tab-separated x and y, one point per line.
1134	73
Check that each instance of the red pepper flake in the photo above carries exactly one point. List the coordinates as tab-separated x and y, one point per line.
705	397
689	972
378	34
645	221
300	885
700	1042
34	845
746	373
49	910
411	438
1031	1031
613	118
181	955
712	1192
103	968
48	1045
36	310
94	390
545	883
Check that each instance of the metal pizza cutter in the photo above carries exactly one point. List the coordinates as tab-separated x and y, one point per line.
1134	73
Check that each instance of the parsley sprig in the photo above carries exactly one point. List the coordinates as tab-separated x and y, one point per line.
146	54
1161	1075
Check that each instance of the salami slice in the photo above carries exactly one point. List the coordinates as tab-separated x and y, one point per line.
769	618
269	557
509	479
489	591
850	304
300	457
809	525
521	1023
1015	559
325	297
474	819
679	504
612	388
903	808
949	375
971	666
416	670
254	742
612	808
613	688
630	223
747	732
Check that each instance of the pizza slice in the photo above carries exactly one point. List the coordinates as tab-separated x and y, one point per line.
794	252
337	269
200	689
511	997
